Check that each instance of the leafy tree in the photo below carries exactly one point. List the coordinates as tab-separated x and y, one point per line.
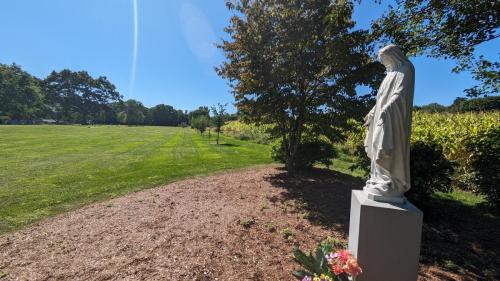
164	115
200	123
201	111
182	117
133	113
475	104
432	108
448	29
219	118
20	94
296	64
76	95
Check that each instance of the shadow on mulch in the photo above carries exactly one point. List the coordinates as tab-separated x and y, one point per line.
322	195
456	238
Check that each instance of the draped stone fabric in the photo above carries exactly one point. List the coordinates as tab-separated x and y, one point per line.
387	141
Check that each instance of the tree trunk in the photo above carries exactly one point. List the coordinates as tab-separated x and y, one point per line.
218	132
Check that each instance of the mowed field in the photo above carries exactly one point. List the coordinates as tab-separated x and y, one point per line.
46	170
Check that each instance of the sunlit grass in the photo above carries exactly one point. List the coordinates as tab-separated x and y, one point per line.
46	170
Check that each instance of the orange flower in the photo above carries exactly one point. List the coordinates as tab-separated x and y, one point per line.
337	269
352	268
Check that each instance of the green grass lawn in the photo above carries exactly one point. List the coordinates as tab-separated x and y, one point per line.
46	170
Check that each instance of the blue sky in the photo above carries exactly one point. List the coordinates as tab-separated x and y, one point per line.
173	47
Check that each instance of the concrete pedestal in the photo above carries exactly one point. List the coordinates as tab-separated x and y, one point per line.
385	238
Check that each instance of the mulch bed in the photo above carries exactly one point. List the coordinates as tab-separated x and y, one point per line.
191	230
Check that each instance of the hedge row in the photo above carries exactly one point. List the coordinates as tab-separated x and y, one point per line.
470	141
249	132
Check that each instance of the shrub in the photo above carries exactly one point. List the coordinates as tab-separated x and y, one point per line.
485	162
430	172
311	150
452	132
251	132
362	161
429	169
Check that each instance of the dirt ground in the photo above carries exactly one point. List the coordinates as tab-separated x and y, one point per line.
191	230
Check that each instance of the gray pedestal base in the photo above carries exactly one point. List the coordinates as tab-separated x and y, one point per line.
385	238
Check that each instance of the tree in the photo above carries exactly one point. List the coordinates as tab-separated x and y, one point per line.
219	118
475	104
133	113
448	29
296	64
20	94
164	115
200	123
201	111
432	108
75	95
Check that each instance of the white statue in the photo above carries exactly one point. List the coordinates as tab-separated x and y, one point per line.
387	141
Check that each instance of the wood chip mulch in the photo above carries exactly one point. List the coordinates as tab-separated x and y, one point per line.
188	230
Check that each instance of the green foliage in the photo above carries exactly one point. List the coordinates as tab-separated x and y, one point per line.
76	96
475	104
462	105
72	97
460	138
46	170
296	64
166	115
20	94
251	132
287	233
311	151
132	112
219	118
430	172
247	223
485	162
200	123
432	108
452	132
201	111
313	263
362	162
447	29
270	226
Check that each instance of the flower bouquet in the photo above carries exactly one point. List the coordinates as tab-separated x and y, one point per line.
326	265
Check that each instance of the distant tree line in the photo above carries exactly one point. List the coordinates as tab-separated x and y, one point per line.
464	105
76	97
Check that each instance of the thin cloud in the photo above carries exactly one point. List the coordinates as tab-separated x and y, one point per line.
198	32
134	54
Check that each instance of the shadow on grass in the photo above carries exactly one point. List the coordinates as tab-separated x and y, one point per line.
462	238
456	238
229	144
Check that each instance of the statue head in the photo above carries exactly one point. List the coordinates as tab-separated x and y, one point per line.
392	57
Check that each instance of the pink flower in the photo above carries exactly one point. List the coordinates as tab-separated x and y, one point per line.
352	268
307	278
343	256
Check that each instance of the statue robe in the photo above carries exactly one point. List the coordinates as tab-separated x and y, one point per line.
387	141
